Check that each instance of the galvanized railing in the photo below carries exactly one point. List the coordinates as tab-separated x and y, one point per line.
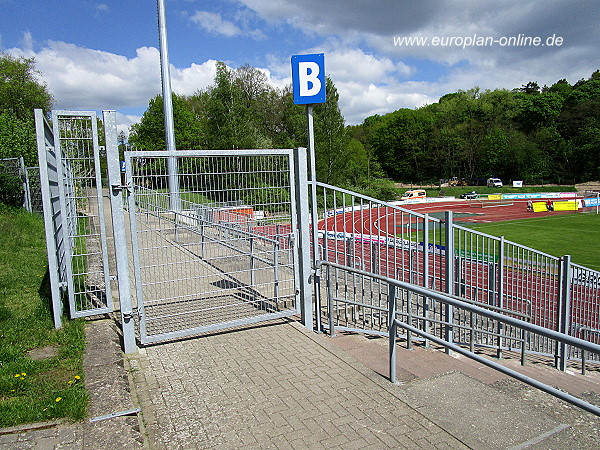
436	253
401	307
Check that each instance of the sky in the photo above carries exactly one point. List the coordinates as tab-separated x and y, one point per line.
382	55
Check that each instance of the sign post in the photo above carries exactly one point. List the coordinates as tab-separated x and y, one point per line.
308	81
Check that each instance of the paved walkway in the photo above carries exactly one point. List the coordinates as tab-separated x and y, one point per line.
271	386
278	385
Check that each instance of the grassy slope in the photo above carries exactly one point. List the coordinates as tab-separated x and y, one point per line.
577	235
32	391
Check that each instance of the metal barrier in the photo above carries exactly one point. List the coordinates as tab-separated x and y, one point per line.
545	290
402	306
219	258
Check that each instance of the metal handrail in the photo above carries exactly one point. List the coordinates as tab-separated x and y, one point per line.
456	302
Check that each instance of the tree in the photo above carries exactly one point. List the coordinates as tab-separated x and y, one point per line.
20	94
20	91
149	133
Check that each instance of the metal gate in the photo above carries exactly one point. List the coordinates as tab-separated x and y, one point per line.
69	157
212	236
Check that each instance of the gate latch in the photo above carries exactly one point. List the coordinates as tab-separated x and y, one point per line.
119	187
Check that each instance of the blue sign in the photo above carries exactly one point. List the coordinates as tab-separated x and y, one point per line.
591	202
122	166
308	78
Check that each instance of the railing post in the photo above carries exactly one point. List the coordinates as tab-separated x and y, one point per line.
449	309
120	238
330	316
375	257
315	222
392	330
565	308
276	272
500	300
303	227
426	275
252	264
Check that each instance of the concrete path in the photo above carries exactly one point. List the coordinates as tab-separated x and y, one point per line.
272	386
280	386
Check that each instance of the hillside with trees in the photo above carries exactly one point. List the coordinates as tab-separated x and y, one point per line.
549	134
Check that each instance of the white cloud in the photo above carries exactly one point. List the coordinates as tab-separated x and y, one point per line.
214	23
81	78
124	122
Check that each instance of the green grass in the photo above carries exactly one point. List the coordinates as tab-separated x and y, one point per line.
30	390
577	235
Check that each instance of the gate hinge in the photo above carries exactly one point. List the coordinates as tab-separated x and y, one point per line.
119	187
292	239
112	277
127	315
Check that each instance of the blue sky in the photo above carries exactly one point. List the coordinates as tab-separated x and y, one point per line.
103	54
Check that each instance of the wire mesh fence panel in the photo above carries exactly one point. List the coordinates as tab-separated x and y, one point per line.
76	140
384	239
34	189
380	238
218	251
585	308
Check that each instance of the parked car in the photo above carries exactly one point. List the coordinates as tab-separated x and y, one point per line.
472	194
494	182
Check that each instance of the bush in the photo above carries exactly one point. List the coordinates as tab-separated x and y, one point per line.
11	190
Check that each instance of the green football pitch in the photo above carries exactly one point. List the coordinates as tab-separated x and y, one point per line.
577	235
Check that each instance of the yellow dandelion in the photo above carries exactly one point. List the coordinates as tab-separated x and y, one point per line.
23	373
77	377
70	381
17	375
58	399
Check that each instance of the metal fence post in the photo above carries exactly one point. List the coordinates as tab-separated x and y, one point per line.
449	309
565	309
26	189
393	330
120	239
314	221
426	275
500	301
303	227
330	305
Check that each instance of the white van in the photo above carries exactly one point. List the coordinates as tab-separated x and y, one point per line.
414	194
494	182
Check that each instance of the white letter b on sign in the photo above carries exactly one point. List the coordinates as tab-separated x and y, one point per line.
308	76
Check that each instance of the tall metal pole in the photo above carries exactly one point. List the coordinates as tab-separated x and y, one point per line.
167	106
314	212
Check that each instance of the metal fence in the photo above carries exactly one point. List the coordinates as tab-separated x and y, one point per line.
76	139
53	214
34	189
383	239
31	194
218	254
